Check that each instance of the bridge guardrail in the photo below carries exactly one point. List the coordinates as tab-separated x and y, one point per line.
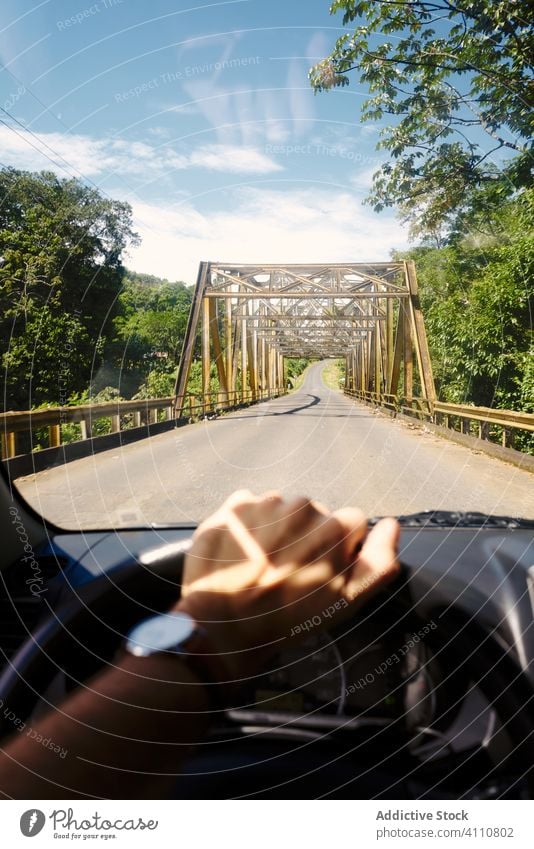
462	418
124	415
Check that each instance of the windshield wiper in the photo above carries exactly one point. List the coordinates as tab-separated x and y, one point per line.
460	519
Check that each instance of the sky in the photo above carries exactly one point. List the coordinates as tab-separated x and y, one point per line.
201	116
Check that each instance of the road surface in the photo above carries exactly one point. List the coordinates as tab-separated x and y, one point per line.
314	441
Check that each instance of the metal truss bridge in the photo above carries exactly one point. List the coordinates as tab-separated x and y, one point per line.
253	316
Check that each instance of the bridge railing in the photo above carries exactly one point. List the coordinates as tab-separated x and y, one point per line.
485	423
115	416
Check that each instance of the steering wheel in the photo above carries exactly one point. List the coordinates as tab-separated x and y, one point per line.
90	625
86	630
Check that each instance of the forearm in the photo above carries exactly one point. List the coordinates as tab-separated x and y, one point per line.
125	733
255	568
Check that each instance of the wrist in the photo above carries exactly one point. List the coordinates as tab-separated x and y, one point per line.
163	679
178	637
234	656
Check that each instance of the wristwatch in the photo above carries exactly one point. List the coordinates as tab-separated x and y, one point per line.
179	634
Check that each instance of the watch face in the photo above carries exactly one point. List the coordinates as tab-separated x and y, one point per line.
160	633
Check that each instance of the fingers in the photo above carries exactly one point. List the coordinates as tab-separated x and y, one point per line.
239	530
241	496
247	506
266	530
377	563
245	497
304	531
308	532
294	532
354	524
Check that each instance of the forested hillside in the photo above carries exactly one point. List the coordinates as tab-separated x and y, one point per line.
476	294
75	324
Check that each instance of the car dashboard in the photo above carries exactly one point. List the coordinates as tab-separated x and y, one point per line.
425	693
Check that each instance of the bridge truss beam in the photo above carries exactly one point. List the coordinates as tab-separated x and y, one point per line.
251	317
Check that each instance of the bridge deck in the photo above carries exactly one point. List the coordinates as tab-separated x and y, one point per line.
315	442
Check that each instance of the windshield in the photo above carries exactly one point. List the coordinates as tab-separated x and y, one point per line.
239	250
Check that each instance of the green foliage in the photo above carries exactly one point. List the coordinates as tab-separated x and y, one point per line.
194	384
158	384
441	78
476	295
334	374
60	277
294	366
72	319
152	323
45	357
147	280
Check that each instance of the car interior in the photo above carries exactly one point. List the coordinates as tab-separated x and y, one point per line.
425	693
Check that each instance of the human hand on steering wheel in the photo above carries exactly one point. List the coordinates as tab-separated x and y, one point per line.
261	565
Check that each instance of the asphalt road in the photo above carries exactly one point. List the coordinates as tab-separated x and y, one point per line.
314	441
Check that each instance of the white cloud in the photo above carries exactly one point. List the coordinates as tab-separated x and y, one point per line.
363	180
369	129
247	224
241	114
233	159
159	132
263	225
79	154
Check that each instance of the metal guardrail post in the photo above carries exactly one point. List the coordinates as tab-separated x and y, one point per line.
54	436
8	444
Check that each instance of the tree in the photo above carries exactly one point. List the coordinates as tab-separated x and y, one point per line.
153	320
449	75
61	273
143	351
477	299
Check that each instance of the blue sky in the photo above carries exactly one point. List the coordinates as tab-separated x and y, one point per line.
200	115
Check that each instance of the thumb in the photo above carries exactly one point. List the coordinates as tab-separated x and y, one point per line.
377	563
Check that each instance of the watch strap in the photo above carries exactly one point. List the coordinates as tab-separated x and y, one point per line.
208	666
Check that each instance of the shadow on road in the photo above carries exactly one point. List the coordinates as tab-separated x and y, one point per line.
315	399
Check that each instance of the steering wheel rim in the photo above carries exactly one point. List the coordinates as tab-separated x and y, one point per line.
147	585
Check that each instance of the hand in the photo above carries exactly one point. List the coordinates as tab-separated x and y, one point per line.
260	566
